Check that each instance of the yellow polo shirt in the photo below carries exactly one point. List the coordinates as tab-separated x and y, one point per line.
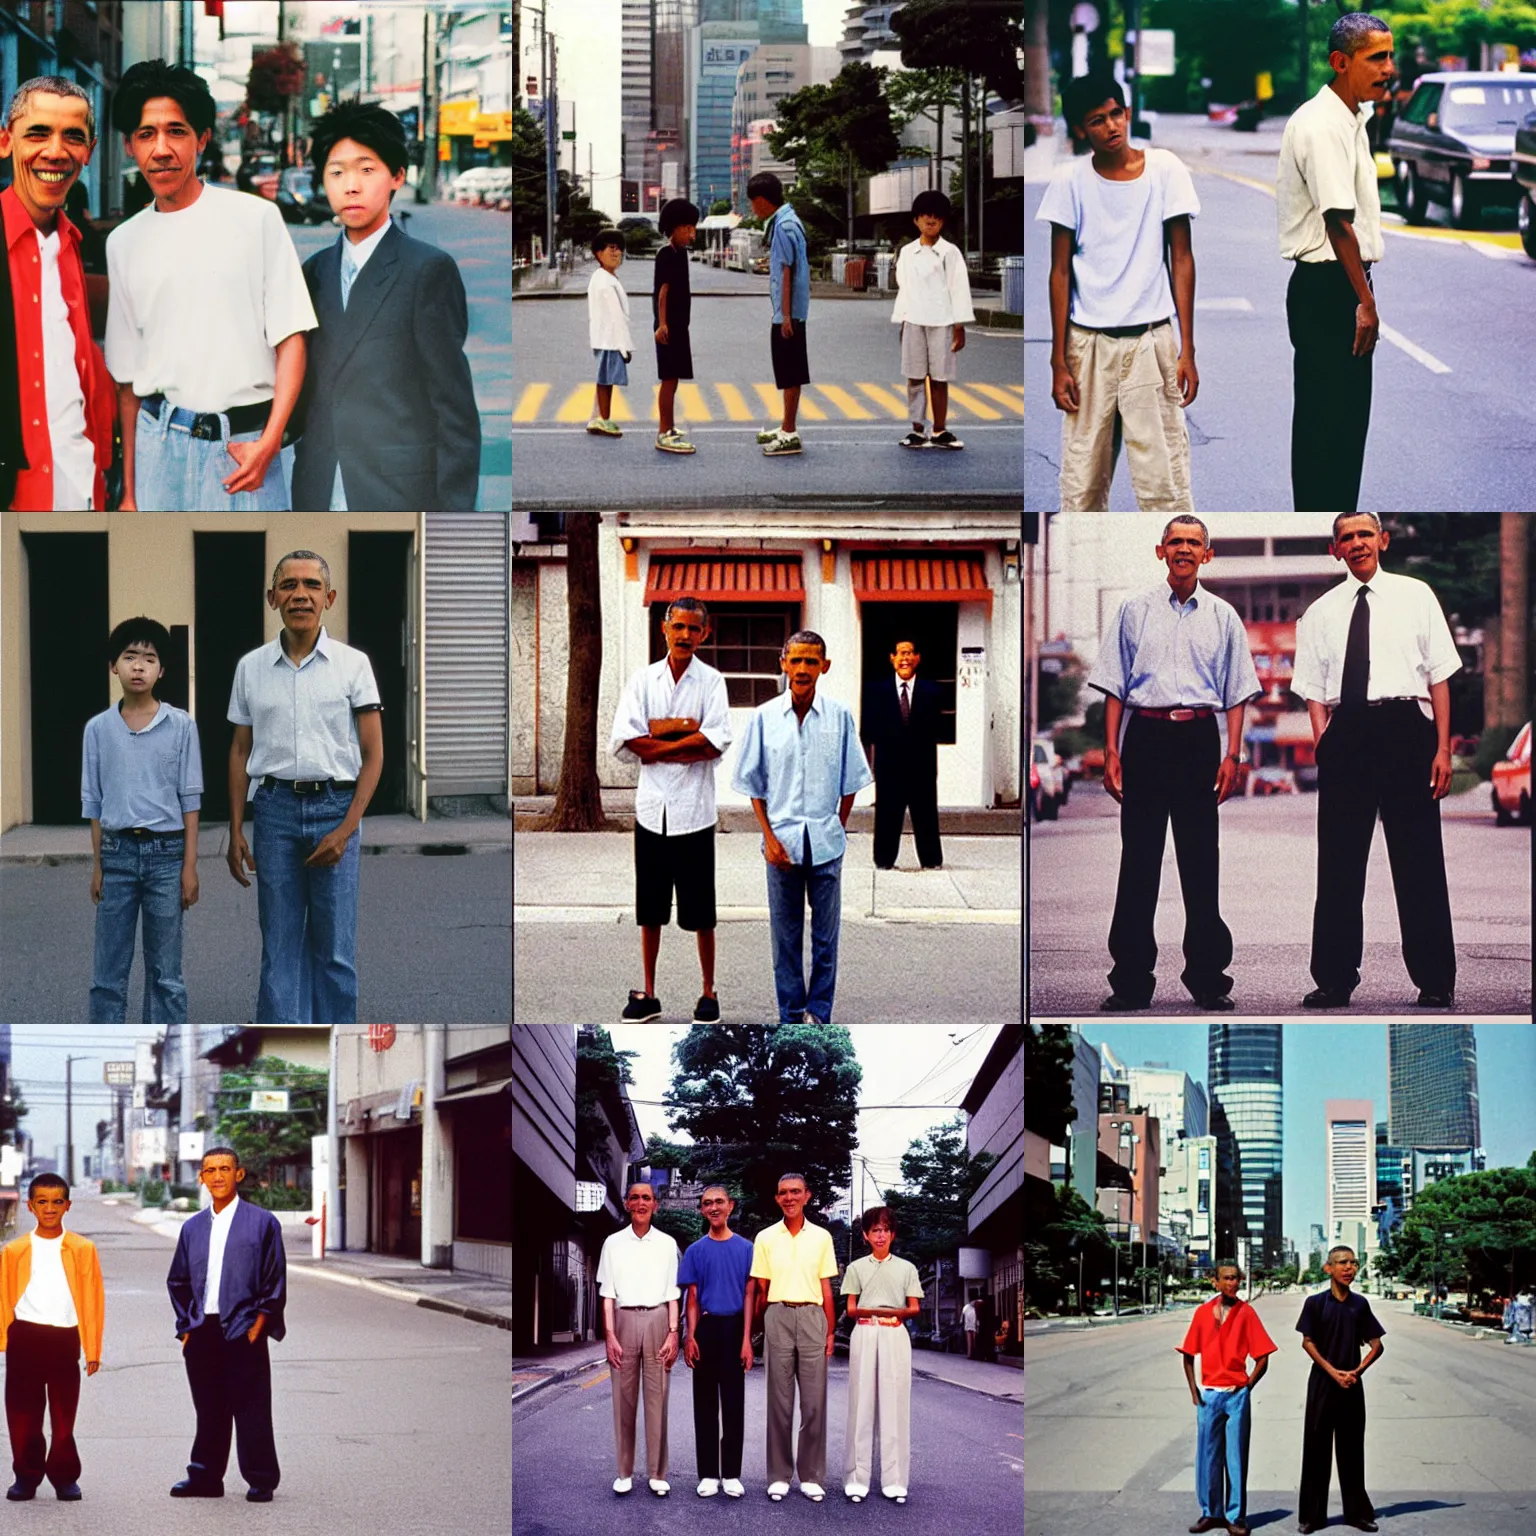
794	1267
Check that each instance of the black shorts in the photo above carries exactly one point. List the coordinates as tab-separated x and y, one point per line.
791	367
686	862
674	358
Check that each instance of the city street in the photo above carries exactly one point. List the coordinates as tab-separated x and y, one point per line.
1450	423
851	417
1268	882
388	1417
1110	1429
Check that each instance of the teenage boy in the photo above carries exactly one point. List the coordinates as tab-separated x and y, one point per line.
206	321
789	295
228	1284
608	328
307	750
1334	1326
801	764
60	402
390	421
1224	1334
671	306
141	788
883	1291
716	1277
51	1306
674	719
1119	218
933	308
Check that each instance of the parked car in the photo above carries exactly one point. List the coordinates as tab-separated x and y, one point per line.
1512	782
297	200
259	174
1525	181
1454	143
1273	780
482	184
1047	780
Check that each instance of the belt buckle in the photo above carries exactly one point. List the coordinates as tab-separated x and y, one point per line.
206	428
1181	714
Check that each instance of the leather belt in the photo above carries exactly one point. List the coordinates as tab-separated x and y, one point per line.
140	832
653	1306
883	1322
794	1303
205	424
1201	712
307	786
1120	332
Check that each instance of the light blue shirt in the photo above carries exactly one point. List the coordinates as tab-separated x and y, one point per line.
802	770
786	248
1159	653
142	778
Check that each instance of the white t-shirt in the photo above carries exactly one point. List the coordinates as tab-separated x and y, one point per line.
1118	275
218	1241
74	459
201	298
46	1299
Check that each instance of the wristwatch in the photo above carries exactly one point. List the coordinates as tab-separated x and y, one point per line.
1237	757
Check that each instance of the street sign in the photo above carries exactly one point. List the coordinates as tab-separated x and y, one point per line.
269	1101
1154	52
144	1062
189	1147
117	1074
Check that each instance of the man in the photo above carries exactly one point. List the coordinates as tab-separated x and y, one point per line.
229	1285
901	731
801	764
308	749
1373	656
674	719
59	401
1330	228
1335	1324
1173	658
1224	1334
637	1278
968	1322
716	1274
793	1264
789	295
206	321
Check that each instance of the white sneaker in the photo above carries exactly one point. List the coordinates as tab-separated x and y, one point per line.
660	1487
708	1487
813	1491
623	1484
855	1491
733	1488
893	1492
776	1491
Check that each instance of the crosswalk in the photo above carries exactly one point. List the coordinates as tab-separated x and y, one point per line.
698	403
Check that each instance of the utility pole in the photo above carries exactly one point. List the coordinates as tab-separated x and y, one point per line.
1132	72
69	1115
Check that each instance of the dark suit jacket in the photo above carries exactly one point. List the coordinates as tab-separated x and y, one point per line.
910	750
387	386
254	1278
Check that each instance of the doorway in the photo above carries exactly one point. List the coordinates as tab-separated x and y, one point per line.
933	628
397	1177
379	624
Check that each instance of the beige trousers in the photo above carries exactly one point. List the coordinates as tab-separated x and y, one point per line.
795	1339
879	1378
641	1335
1127	388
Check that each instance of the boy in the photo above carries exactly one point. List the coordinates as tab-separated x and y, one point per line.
1333	1325
608	328
789	294
1224	1333
933	308
883	1292
1114	369
141	786
390	421
51	1304
671	301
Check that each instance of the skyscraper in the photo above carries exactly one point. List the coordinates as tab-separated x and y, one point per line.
1350	1164
1245	1082
1432	1087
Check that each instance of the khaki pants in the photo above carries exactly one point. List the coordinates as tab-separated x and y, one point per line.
1127	387
879	1376
641	1335
795	1339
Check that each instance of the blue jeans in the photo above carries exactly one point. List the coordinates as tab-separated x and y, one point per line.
139	873
308	915
1221	1454
176	472
787	893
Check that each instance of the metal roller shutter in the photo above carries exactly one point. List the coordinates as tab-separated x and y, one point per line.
467	585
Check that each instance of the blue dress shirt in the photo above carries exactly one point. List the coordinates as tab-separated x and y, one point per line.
786	248
146	778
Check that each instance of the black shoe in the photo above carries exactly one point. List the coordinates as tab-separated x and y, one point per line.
70	1494
885	866
258	1495
187	1489
1115	1003
1428	999
18	1491
1326	997
933	866
640	1009
706	1010
1305	1529
1365	1525
1218	1002
914	439
945	439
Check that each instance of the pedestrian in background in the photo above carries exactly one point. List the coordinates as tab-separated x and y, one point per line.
671	312
1329	212
608	328
933	308
789	294
968	1323
901	721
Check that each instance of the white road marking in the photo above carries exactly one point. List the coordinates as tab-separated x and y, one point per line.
1232	304
1414	350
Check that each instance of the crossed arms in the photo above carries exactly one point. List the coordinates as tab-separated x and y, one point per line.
673	739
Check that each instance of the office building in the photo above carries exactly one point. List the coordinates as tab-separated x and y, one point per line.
1245	1080
1432	1086
1350	1169
1173	1096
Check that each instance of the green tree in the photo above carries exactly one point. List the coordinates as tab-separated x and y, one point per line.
983	38
599	1070
1458	26
13	1111
927	93
685	1226
1478	1225
1049	1051
720	205
267	1139
1074	1241
940	1177
529	179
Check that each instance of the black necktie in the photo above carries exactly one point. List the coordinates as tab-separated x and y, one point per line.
1357	653
906	706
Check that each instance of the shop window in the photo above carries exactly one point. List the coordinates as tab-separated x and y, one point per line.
744	645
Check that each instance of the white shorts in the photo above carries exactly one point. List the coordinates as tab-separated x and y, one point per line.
925	352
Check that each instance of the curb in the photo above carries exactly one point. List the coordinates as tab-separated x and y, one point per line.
425	850
557	1376
996	1397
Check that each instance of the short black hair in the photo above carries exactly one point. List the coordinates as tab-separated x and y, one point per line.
48	1181
676	214
220	1152
372	126
150	78
140	631
766	184
932	202
605	238
877	1214
1080	96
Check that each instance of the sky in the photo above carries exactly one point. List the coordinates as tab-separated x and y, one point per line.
1347	1061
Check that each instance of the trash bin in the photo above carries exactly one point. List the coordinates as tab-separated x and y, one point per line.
883	269
1013	285
857	266
839	268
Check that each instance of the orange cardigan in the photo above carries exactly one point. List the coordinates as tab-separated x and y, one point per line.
82	1270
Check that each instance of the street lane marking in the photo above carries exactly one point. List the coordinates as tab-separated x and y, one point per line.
895	404
691	399
581	405
529	401
1414	350
1225	304
774	401
993	392
972	404
735	406
844	402
708	402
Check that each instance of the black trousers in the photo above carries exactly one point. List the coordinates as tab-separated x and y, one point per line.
1331	413
42	1365
898	791
231	1389
1374	760
719	1395
1168	770
1334	1426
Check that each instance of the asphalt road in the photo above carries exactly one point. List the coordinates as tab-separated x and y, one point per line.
852	416
1109	1436
1451	427
388	1417
965	1472
1268	883
431	942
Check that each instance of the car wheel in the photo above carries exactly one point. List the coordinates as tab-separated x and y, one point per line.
1523	816
1464	204
1501	816
1410	194
1527	218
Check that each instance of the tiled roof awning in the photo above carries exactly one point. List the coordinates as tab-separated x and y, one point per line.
898	578
725	578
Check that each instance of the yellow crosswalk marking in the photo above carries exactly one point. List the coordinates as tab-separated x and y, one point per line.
994	392
695	402
529	401
735	406
581	405
844	402
690	401
972	404
774	403
893	404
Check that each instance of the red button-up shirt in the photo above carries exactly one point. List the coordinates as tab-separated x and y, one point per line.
1224	1348
34	485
